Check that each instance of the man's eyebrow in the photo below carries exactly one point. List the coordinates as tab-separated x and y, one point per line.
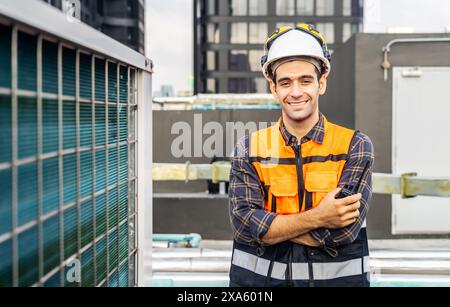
301	77
283	79
307	77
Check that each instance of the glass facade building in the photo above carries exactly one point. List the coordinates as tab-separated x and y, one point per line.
229	36
123	20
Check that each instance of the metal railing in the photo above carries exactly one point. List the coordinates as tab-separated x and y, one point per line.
407	185
217	101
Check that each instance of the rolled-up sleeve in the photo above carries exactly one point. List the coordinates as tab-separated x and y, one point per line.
361	153
249	220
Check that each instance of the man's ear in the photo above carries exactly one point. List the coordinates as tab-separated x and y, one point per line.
322	85
273	89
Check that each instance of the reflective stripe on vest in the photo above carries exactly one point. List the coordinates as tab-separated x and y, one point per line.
308	171
321	271
331	270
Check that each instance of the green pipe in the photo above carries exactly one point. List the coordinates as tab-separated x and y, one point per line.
193	239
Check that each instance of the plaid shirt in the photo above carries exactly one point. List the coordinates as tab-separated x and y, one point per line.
250	221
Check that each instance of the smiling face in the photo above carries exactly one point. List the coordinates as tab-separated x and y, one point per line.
297	89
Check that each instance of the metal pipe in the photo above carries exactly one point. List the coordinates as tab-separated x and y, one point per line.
107	167
395	263
193	239
165	253
214	99
60	166
387	48
94	172
40	211
78	153
384	266
191	265
217	171
407	185
14	154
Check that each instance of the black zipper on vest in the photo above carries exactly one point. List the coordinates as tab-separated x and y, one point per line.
272	262
301	190
299	166
300	186
289	266
310	267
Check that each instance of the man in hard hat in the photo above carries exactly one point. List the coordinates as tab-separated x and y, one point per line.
292	223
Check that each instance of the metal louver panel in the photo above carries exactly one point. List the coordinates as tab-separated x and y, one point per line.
64	164
27	193
50	68
5	57
68	72
49	125
5	124
85	76
27	121
27	66
100	81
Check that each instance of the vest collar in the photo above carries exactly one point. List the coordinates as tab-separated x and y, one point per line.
316	133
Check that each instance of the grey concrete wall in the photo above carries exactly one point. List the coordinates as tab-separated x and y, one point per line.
162	127
208	217
338	103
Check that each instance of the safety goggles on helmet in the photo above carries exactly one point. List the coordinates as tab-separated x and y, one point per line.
306	28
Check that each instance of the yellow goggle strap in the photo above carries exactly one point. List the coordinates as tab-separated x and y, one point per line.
307	28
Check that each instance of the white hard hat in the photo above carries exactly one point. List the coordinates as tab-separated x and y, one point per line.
302	41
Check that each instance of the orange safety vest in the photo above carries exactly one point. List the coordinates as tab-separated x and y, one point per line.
307	171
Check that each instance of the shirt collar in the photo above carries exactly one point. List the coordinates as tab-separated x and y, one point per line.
316	133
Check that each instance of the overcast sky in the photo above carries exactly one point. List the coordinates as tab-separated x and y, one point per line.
424	16
170	42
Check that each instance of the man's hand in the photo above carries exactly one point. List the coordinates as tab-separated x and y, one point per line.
331	213
337	213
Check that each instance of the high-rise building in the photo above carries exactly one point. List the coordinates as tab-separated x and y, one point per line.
229	36
123	20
